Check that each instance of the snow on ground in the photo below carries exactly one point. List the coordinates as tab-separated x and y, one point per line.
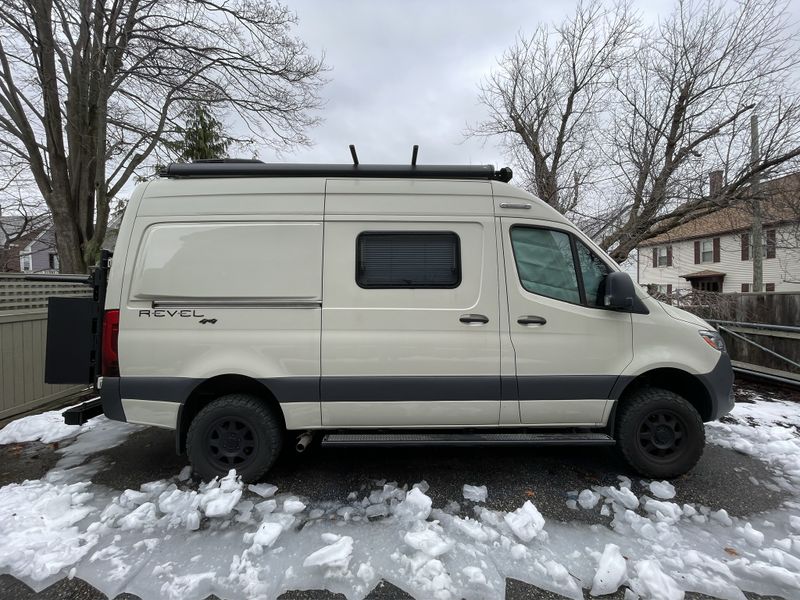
175	539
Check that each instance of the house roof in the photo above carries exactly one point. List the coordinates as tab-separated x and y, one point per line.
781	204
701	274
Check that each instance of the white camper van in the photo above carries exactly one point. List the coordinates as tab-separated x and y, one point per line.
249	305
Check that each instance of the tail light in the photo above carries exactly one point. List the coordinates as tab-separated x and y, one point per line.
110	346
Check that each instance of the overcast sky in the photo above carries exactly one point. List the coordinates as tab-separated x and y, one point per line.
407	72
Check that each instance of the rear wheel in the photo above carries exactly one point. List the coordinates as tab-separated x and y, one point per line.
659	433
237	431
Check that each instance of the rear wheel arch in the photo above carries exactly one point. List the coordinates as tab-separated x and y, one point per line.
214	387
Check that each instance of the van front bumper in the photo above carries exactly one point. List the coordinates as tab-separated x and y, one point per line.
719	383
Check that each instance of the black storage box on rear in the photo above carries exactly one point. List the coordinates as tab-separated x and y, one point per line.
72	326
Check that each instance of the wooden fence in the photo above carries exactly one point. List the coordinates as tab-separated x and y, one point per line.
23	339
781	308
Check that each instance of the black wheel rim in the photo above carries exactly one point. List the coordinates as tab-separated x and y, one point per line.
232	443
662	435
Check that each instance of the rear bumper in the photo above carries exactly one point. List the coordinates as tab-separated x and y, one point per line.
111	399
719	383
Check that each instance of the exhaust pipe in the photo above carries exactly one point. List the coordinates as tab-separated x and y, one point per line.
303	440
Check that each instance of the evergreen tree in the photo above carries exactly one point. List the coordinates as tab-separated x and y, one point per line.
202	135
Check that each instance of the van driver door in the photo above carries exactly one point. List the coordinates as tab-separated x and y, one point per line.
569	349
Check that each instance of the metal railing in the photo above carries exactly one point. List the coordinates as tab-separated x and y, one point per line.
740	329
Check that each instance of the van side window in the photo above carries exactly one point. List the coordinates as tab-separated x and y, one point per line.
545	263
593	271
400	259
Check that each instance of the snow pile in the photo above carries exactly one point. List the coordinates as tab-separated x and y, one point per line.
39	527
774	440
175	539
47	427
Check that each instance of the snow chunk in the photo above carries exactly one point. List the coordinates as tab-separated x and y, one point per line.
662	489
336	555
267	533
428	541
588	499
218	497
415	507
612	571
265	490
721	516
293	506
622	495
526	522
652	582
668	512
475	493
752	536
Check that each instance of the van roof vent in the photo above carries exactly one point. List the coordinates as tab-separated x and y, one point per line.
237	167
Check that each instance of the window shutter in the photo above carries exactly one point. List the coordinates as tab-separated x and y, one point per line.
745	287
655	257
770	287
669	289
716	249
770	244
697	252
745	247
669	256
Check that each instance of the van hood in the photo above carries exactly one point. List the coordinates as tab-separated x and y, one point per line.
683	315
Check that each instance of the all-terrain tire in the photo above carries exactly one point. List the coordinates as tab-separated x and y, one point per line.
237	431
659	433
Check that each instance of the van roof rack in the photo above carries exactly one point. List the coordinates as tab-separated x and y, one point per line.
234	167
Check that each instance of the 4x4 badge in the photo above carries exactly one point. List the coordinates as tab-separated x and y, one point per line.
204	321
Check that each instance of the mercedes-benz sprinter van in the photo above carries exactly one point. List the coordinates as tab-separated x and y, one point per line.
250	304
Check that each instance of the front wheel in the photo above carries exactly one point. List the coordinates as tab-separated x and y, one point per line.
237	431
659	433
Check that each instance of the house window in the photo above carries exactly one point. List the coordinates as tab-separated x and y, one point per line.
400	259
662	256
25	262
767	245
745	288
770	287
707	251
53	261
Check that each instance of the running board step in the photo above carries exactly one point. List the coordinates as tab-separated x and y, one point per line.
466	439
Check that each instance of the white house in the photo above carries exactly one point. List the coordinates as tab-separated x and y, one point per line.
714	252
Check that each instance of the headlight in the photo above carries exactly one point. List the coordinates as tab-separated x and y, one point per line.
713	339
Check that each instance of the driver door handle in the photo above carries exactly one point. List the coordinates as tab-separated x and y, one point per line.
473	319
528	320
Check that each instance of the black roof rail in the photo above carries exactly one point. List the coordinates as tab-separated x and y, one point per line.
252	168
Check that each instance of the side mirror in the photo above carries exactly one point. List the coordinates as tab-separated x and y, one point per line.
620	292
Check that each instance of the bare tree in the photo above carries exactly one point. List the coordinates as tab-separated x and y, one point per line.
546	94
89	89
683	107
650	111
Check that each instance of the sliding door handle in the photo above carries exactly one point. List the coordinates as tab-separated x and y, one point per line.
531	320
474	319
